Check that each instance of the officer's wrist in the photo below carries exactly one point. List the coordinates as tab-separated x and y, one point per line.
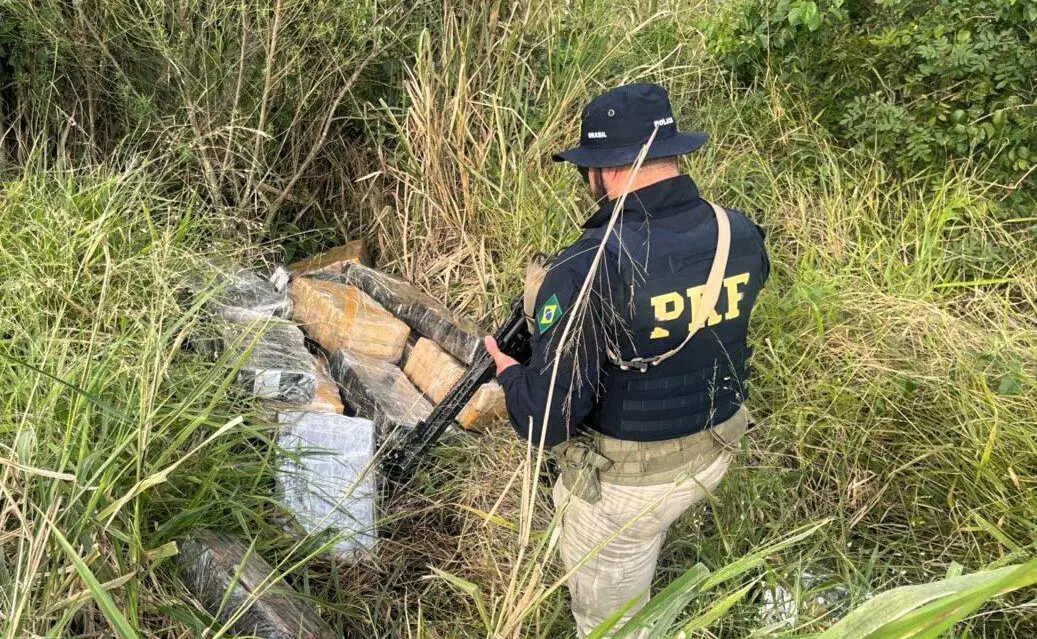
509	372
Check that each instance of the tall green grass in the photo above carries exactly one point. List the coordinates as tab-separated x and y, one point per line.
895	343
260	103
101	405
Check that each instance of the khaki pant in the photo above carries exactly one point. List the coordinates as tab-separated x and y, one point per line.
619	537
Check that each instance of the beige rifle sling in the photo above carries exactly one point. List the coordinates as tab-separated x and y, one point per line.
706	303
536	271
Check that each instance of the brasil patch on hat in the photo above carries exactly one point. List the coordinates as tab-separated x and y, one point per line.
616	125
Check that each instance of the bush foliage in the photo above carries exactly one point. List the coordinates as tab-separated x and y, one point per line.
917	81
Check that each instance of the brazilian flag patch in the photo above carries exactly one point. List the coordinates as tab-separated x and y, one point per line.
549	314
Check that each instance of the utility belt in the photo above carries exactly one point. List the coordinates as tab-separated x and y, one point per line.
589	459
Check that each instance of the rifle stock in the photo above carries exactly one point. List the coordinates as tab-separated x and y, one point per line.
402	460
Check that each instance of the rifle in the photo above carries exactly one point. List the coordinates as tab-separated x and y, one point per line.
402	460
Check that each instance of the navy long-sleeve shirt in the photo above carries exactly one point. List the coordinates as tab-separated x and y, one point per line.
526	388
654	229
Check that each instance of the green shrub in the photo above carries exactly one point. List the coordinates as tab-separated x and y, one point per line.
920	83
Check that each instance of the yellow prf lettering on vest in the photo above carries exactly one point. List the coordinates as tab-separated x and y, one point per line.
695	295
670	306
731	285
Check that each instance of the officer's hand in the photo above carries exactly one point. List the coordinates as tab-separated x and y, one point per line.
500	359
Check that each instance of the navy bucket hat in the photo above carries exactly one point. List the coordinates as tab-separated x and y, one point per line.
616	124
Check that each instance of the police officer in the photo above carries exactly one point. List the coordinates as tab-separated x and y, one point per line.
646	371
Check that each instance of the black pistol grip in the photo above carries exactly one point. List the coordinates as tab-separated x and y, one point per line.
402	460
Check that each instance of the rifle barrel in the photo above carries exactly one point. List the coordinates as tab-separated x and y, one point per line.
402	460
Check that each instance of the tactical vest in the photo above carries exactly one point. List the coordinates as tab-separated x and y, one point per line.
660	267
